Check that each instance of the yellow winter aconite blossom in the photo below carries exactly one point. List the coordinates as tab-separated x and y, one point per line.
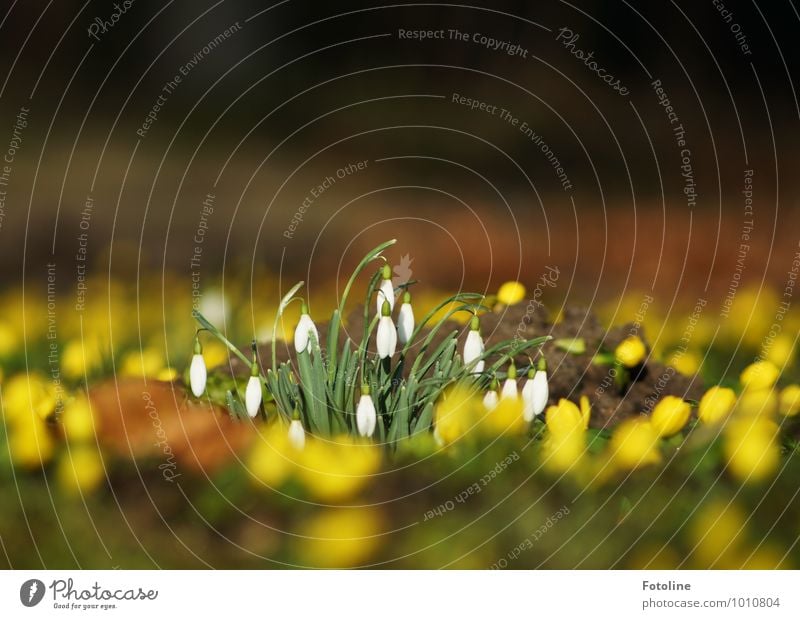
716	404
634	444
147	362
670	415
631	351
718	531
339	538
28	392
30	442
686	362
271	459
759	375
789	401
336	469
167	375
781	351
81	357
511	293
80	469
505	418
751	448
758	402
564	418
562	452
457	412
586	410
9	341
77	419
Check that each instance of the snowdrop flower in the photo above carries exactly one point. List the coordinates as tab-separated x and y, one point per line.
197	370
297	435
491	398
510	386
386	290
302	334
252	394
387	334
473	347
405	319
535	392
366	416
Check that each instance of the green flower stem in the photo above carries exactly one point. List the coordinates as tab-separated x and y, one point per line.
217	334
281	307
372	255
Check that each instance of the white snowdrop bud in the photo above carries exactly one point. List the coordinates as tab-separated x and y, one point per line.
197	370
302	334
473	347
252	394
297	435
386	338
538	392
491	399
386	290
405	320
510	384
366	417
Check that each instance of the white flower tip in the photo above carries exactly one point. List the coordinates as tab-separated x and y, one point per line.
198	375
252	396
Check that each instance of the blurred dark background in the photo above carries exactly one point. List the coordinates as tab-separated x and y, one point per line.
298	90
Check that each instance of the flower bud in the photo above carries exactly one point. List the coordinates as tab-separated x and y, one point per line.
297	435
197	370
789	403
473	347
759	375
631	351
386	289
670	415
716	404
405	320
535	393
366	417
303	332
510	384
386	338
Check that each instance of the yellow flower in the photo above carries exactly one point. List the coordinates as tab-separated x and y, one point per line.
781	352
167	375
77	419
751	449
457	412
29	442
670	415
80	357
718	529
511	293
80	470
147	362
336	469
562	452
634	444
25	392
8	339
759	375
716	404
586	410
564	418
339	537
271	459
789	403
631	351
505	418
215	353
758	402
687	363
